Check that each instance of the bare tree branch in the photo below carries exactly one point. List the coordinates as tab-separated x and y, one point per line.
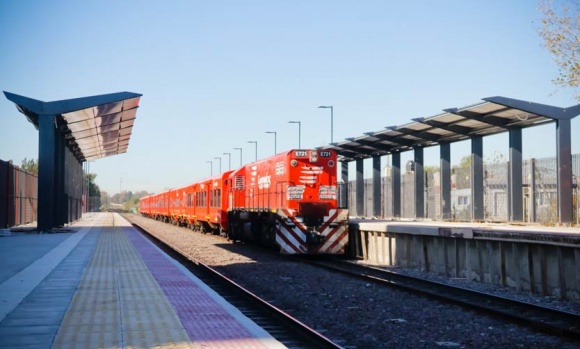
560	31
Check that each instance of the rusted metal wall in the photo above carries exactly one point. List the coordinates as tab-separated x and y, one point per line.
18	196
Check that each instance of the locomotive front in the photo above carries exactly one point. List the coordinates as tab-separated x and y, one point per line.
289	202
311	221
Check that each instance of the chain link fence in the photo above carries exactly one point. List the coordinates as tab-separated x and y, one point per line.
539	182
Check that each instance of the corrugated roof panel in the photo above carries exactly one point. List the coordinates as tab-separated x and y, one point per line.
482	119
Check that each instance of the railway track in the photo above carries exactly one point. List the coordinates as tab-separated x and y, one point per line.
286	329
547	320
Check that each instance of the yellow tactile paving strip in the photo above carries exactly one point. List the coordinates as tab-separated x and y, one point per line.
118	303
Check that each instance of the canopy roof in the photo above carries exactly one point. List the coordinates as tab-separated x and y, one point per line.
494	115
95	127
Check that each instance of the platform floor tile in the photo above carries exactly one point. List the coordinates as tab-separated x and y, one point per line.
119	304
209	320
34	322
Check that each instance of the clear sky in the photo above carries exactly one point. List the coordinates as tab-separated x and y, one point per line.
217	74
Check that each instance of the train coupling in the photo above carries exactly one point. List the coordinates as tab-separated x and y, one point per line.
314	238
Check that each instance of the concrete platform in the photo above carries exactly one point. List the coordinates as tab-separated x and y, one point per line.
531	258
463	229
105	286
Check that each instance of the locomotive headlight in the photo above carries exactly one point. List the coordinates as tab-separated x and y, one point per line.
313	156
331	163
294	163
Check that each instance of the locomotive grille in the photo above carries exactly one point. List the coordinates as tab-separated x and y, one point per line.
239	182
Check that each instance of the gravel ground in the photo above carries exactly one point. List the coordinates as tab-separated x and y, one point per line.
351	312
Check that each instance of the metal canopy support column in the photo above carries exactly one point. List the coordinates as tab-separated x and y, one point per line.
60	155
532	190
61	213
564	158
396	184
344	190
46	172
419	183
360	188
445	180
377	186
515	175
562	116
477	212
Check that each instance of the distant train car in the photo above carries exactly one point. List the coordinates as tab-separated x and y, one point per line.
289	201
160	207
145	206
211	211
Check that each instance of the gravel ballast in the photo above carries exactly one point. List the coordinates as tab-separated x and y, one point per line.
351	312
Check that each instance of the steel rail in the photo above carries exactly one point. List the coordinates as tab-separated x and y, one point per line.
547	320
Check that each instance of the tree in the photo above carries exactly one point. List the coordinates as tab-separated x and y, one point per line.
94	192
30	166
560	31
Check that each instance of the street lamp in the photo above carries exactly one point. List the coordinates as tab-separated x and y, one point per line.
256	143
229	160
240	149
274	132
210	167
220	159
331	117
297	122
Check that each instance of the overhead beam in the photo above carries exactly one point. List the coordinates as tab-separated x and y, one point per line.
548	111
429	137
483	118
461	130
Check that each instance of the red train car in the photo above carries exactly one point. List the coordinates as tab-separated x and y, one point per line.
159	207
289	201
212	216
145	205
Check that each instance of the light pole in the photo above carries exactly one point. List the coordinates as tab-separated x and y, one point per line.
229	160
210	167
220	159
274	132
240	149
256	143
331	117
297	122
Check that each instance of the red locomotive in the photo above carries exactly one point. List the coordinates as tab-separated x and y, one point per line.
287	201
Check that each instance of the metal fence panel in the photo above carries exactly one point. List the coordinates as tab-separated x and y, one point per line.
541	199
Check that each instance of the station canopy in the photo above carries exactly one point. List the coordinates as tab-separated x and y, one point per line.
494	115
94	127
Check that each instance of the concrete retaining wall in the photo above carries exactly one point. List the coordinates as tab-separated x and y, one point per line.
536	262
